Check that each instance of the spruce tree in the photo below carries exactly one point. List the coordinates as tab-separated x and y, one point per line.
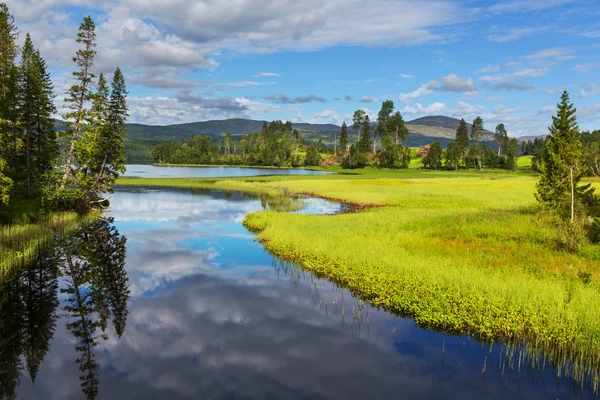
365	140
8	106
80	94
462	138
344	139
562	164
35	114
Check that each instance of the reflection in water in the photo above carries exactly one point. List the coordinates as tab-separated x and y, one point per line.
210	314
91	262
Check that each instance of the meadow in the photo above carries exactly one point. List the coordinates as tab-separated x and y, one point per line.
461	252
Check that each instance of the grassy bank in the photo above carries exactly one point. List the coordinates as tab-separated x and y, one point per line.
20	243
462	252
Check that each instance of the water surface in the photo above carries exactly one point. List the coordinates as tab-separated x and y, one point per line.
212	315
153	171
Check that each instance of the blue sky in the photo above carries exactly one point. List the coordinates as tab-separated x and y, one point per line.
319	60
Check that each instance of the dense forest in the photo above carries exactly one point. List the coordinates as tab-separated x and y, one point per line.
35	176
378	143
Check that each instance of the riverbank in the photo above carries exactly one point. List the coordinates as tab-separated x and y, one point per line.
462	252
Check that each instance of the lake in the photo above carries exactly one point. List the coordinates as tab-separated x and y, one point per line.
153	171
193	307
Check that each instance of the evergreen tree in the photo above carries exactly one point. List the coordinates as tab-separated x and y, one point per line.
358	119
264	135
477	130
383	126
562	168
80	94
8	85
501	137
344	139
462	139
511	151
433	160
35	110
365	140
454	154
398	127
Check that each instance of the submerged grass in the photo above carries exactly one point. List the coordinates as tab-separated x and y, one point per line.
460	252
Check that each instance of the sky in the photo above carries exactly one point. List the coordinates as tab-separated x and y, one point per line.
318	61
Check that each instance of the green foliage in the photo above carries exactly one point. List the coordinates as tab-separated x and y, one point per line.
462	138
433	159
562	169
365	139
501	137
354	159
313	158
453	155
344	139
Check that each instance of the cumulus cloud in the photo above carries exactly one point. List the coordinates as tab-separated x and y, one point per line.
449	83
328	116
367	99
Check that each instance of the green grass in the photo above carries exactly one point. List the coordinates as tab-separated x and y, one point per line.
20	243
465	252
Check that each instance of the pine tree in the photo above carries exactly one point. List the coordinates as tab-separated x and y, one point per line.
477	130
501	137
358	119
563	165
365	140
344	139
383	127
462	138
562	168
8	84
35	113
398	127
80	94
264	135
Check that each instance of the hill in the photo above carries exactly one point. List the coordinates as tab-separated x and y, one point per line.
141	138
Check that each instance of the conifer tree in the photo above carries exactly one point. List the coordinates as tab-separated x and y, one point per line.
477	130
344	139
358	119
561	170
462	138
35	114
365	140
80	94
8	84
501	137
433	160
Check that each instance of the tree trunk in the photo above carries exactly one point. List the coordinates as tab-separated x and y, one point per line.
28	162
374	144
572	198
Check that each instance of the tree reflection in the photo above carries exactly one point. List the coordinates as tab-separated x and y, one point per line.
92	263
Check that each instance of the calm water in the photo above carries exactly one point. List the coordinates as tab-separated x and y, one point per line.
211	315
152	171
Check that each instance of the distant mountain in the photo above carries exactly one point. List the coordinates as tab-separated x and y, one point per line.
439	126
528	138
141	138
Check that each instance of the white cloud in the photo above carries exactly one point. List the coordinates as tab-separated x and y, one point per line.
367	99
585	68
450	83
490	68
549	57
594	90
327	116
514	34
268	74
527	5
419	109
495	98
406	76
